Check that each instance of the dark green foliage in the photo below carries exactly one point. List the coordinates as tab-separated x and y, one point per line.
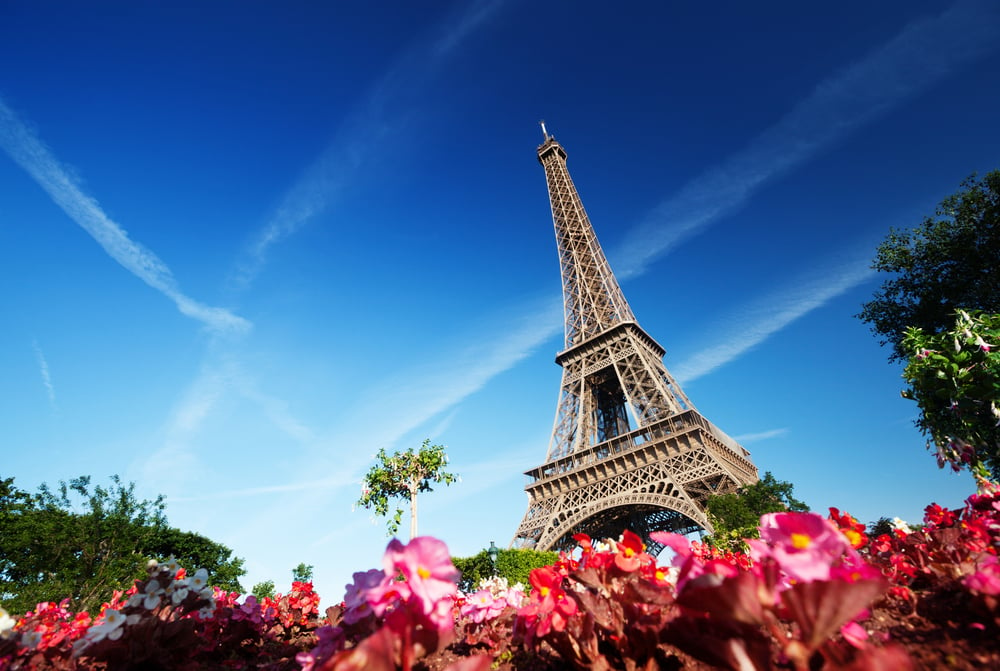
947	263
954	377
514	565
302	573
736	516
882	525
264	590
82	543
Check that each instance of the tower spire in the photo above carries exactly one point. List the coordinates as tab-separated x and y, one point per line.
628	449
592	300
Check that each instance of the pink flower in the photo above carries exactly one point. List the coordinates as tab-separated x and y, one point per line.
804	545
356	599
513	597
986	579
428	576
854	634
482	606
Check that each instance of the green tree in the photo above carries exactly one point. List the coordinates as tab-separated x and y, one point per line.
52	552
954	377
882	525
736	516
193	551
263	590
514	565
948	263
302	573
82	542
402	476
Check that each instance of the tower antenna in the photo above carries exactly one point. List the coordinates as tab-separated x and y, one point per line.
544	132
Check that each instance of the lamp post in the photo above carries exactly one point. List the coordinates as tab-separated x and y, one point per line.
493	552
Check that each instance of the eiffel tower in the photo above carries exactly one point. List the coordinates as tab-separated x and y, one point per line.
628	448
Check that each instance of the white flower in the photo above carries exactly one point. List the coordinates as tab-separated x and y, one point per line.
178	595
111	628
152	595
6	624
31	639
901	525
114	618
199	580
172	565
152	564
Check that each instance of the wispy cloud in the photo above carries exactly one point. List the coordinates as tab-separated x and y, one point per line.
29	152
323	485
370	124
421	393
921	55
43	367
217	383
747	438
417	395
770	314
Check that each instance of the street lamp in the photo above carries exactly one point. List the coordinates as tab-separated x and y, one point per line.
493	552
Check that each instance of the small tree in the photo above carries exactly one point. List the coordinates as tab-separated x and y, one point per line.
947	263
302	573
402	476
736	516
955	379
263	590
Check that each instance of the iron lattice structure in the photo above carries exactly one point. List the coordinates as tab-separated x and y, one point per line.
628	449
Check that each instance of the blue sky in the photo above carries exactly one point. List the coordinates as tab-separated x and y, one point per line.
245	246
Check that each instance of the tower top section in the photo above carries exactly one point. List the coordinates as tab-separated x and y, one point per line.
592	300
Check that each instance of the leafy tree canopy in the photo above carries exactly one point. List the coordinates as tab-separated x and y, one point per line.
82	542
302	573
402	476
263	590
514	565
948	263
954	377
736	516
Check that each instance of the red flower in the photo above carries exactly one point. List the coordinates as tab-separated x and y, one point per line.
631	552
850	527
550	608
938	516
585	543
882	544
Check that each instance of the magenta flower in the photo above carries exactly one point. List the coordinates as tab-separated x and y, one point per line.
359	596
428	576
485	605
986	579
804	545
478	606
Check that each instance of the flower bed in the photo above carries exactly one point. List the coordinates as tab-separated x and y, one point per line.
811	593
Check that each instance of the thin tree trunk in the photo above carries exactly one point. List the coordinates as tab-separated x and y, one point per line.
413	513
